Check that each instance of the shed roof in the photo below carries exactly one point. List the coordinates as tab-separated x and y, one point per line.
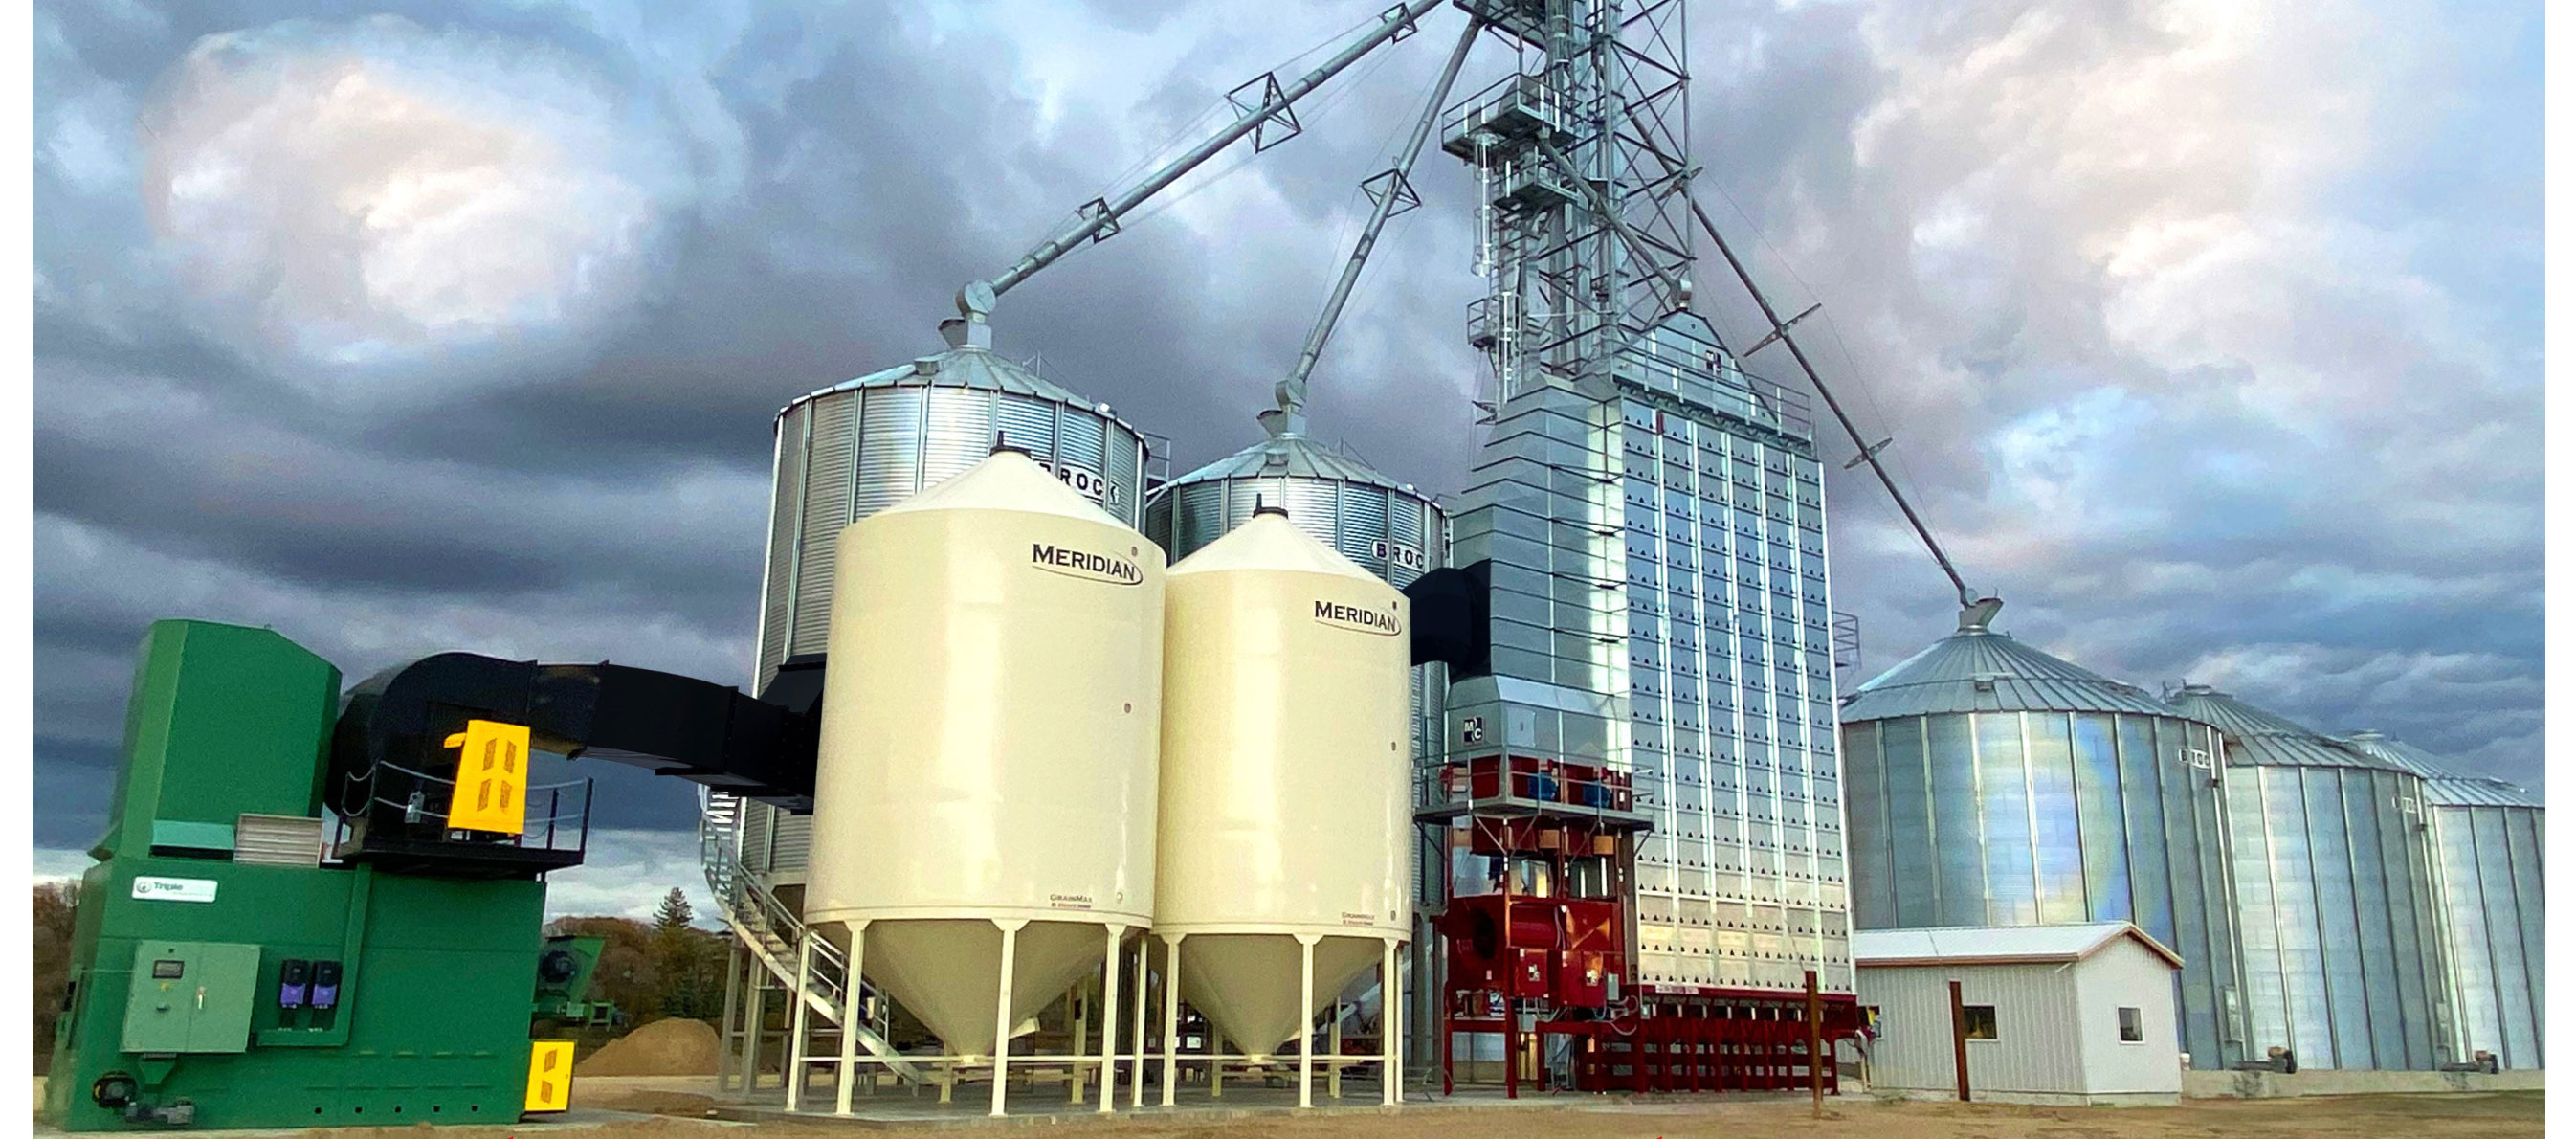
1996	945
1978	670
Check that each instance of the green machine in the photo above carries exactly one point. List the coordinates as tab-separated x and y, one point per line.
564	971
323	909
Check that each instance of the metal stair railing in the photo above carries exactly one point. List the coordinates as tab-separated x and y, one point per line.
773	933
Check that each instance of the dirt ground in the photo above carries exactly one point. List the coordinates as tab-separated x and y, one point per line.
2345	1117
663	1048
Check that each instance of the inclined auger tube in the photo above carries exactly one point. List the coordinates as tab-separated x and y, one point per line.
975	301
1291	392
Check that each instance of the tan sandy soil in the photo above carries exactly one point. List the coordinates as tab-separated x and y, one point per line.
663	1048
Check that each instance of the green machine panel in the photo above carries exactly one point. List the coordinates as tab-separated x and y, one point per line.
222	721
191	996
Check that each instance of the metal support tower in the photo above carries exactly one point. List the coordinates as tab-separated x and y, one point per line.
1584	164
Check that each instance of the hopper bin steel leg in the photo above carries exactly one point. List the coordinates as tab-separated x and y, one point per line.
1306	1000
794	1076
752	1024
1390	1031
851	1007
1109	1022
1002	1011
1136	1088
1171	1014
725	1052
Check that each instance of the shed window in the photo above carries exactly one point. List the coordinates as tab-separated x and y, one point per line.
1980	1020
2133	1028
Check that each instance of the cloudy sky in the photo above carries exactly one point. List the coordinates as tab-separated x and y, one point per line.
2210	337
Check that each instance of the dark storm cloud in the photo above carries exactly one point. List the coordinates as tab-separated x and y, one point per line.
2331	508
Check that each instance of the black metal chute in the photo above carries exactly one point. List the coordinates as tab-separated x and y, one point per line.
679	725
394	727
1452	608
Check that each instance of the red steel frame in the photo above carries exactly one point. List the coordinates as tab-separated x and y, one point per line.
1570	964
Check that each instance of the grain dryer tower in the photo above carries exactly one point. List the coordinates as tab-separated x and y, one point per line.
2334	894
2487	838
984	783
1286	797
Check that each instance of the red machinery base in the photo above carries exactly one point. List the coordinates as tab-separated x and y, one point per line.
1733	1045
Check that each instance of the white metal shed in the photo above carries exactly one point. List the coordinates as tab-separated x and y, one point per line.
2053	1014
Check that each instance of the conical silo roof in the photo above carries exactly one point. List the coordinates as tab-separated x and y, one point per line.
1293	456
1979	670
2444	784
2265	737
966	366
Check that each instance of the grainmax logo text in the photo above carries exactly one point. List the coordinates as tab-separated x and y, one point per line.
1385	624
1084	564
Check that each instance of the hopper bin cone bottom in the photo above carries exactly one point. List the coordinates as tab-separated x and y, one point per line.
947	972
1247	984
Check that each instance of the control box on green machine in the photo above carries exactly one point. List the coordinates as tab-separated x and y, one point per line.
191	996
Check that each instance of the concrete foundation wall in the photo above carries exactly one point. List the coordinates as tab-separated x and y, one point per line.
2276	1085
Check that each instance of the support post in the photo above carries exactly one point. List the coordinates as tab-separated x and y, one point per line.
1815	1047
1171	1014
725	1054
798	1006
753	972
853	1016
1076	1003
1109	1021
1002	1010
1333	1052
1136	1081
1391	1028
1306	1034
1959	1039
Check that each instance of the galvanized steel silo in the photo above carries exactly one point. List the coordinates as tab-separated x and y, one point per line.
852	449
2334	890
1990	783
1385	526
2487	841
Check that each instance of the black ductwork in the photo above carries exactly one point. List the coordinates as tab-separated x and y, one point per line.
1452	611
706	733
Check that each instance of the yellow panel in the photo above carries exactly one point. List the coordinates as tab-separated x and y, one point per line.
491	778
549	1074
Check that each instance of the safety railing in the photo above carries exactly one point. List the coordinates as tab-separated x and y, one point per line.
1513	110
557	816
1532	785
776	936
